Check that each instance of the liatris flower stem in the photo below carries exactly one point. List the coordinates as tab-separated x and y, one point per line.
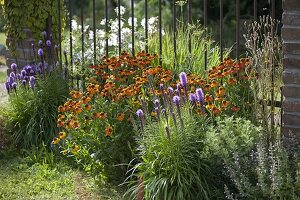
41	54
168	132
176	100
161	88
140	115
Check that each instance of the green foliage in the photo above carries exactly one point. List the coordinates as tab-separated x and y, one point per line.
169	162
103	154
270	172
32	114
230	135
190	62
31	14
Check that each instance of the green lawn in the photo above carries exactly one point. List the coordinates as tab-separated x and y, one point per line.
21	180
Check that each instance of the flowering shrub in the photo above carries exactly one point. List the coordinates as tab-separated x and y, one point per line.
95	124
112	35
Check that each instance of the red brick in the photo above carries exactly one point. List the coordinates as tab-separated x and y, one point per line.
291	105
291	62
291	76
291	5
290	33
291	18
291	119
291	48
291	91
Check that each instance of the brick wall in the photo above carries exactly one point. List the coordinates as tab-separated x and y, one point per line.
24	53
291	63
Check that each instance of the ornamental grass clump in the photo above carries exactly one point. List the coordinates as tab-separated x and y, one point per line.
35	91
170	143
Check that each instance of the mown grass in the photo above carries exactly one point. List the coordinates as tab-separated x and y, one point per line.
19	180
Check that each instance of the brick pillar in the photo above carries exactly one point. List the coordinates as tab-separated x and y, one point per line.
291	63
23	50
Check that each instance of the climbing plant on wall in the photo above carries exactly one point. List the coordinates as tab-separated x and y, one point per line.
31	14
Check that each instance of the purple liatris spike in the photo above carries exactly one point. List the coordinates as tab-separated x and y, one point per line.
140	113
170	90
24	82
161	87
44	34
48	43
200	95
40	52
11	79
31	82
12	74
157	103
176	100
41	43
13	66
23	73
14	86
193	98
183	79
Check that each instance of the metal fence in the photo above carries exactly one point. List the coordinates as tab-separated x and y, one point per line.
237	51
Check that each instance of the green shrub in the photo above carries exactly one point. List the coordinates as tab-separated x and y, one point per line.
32	114
230	135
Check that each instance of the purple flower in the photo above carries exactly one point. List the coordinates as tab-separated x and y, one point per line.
170	90
41	43
183	78
156	103
31	82
48	43
23	73
51	36
161	87
200	95
13	66
44	34
176	99
24	82
193	98
140	113
12	74
11	79
14	85
40	52
65	52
